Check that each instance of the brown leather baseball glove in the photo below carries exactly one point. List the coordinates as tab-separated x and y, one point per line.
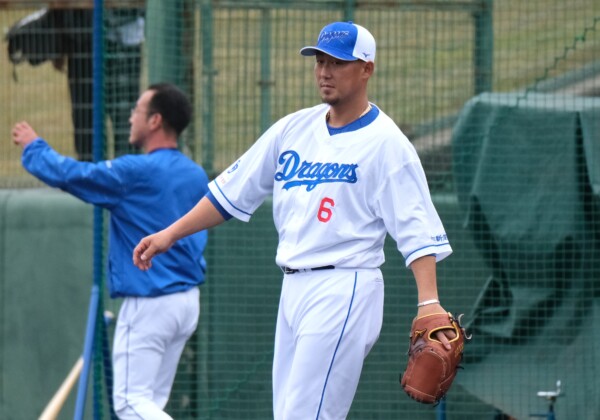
431	367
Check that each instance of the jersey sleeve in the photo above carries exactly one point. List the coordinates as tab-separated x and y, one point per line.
243	187
95	183
405	205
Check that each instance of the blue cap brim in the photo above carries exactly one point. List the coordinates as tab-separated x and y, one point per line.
310	51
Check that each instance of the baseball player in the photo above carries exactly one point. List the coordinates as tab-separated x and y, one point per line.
143	193
342	176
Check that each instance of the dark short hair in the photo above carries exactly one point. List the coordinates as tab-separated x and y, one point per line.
172	104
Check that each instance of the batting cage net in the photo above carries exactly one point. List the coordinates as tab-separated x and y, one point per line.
500	99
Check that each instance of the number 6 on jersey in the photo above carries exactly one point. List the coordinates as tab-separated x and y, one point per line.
325	213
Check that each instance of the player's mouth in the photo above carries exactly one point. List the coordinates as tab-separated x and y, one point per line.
326	87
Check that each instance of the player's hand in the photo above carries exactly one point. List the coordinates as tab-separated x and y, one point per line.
149	247
444	335
23	134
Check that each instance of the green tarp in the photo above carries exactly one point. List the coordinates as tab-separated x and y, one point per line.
45	284
527	172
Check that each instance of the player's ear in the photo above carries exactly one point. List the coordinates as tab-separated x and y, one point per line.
369	68
155	121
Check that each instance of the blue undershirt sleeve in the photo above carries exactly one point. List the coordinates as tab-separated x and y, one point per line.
218	205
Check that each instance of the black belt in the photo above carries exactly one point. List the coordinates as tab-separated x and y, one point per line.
288	270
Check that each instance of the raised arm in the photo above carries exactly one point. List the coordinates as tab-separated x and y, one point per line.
203	216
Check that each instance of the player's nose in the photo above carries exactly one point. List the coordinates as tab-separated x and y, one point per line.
323	73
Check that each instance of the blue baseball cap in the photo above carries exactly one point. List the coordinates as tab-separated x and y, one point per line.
345	41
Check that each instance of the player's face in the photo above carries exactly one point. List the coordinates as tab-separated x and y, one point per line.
339	81
138	120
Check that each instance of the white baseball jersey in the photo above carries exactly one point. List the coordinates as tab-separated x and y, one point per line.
336	197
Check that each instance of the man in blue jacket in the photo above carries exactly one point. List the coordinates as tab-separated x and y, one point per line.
144	193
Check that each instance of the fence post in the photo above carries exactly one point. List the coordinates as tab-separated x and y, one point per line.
98	154
208	74
349	6
265	71
163	41
483	46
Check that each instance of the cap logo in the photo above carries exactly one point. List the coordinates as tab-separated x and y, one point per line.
343	41
329	36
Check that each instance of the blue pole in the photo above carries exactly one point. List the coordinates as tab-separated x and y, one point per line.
98	153
440	411
87	354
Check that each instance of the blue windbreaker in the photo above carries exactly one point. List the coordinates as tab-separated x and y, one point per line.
144	193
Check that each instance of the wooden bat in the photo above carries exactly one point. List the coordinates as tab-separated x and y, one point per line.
53	408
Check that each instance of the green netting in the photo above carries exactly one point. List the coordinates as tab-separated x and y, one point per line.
515	175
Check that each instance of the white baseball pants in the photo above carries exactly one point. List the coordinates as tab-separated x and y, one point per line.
149	338
328	321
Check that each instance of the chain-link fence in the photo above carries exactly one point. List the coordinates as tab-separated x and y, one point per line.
500	98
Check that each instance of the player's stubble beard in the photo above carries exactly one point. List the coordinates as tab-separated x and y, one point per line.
328	99
330	102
